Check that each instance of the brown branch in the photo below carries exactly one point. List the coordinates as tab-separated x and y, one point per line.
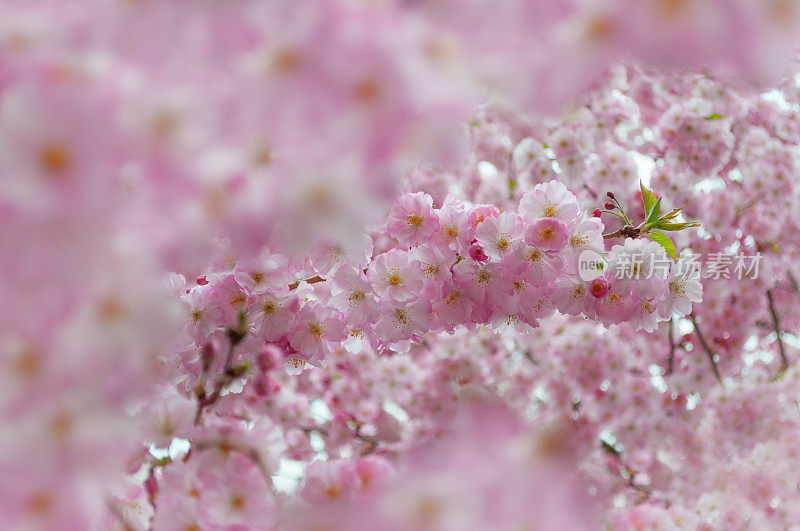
310	280
628	231
794	282
224	379
777	327
671	358
706	347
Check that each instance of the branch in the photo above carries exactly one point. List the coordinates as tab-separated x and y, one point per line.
224	379
777	327
794	282
671	358
707	348
310	280
628	231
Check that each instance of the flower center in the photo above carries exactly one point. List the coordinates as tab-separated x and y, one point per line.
534	254
356	296
431	270
677	287
453	299
401	315
415	220
547	233
54	158
236	300
578	240
450	231
395	279
502	242
295	362
550	209
316	330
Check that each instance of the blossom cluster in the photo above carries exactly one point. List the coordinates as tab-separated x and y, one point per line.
251	145
452	266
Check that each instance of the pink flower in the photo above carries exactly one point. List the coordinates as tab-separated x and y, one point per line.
499	236
329	481
435	266
548	234
639	267
395	275
479	213
316	328
454	228
550	200
202	316
400	321
599	287
682	291
272	314
352	294
372	472
412	219
268	271
476	252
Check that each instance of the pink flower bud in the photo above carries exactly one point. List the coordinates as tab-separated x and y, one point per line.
481	212
202	280
610	194
596	212
599	287
608	205
151	486
476	253
269	358
548	234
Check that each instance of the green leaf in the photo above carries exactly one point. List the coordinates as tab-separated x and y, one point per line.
714	116
545	145
648	198
671	214
652	214
663	225
665	242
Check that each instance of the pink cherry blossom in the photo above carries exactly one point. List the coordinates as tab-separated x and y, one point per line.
499	236
547	234
412	220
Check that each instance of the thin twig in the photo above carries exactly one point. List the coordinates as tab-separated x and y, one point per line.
628	231
794	282
777	327
223	381
310	280
671	358
706	347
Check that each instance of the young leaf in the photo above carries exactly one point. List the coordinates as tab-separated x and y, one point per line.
714	116
648	198
652	214
665	242
663	225
671	214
